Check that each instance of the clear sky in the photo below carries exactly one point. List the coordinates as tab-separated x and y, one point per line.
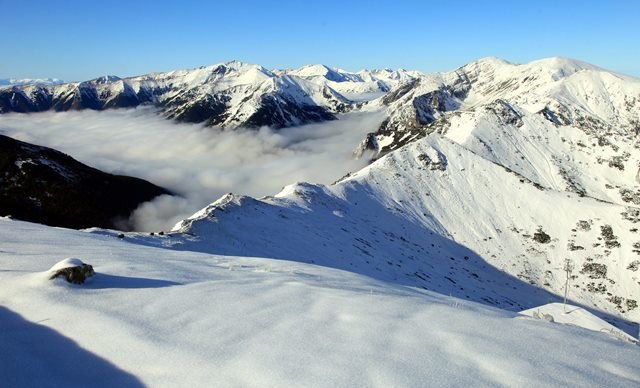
78	40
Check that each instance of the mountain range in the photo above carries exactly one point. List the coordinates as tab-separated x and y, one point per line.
493	182
228	95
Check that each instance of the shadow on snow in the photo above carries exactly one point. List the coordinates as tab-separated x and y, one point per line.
34	355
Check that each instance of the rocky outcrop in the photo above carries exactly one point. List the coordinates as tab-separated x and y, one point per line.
39	184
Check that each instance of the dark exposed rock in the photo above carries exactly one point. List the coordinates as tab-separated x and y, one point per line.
506	113
556	117
439	164
368	144
583	225
541	237
191	109
399	92
278	112
617	162
39	184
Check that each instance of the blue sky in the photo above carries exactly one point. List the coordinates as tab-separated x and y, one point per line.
78	40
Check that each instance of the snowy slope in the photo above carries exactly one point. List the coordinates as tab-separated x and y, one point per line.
564	124
572	315
436	215
157	317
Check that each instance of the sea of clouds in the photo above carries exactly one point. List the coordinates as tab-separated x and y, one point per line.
199	164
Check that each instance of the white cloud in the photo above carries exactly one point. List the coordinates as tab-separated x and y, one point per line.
198	163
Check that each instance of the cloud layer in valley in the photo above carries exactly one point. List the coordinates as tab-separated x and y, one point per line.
198	163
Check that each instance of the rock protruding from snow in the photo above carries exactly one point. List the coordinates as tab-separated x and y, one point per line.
72	269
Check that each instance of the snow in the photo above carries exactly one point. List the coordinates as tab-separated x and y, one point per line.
151	314
423	268
66	263
576	316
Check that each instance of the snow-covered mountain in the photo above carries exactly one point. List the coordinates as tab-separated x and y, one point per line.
491	103
359	87
436	215
228	95
564	91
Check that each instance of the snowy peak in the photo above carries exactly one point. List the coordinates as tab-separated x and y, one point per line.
553	65
566	66
107	79
311	71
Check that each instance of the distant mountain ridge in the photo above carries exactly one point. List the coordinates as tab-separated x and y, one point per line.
228	95
29	81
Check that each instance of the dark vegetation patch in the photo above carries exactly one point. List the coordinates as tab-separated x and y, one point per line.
610	240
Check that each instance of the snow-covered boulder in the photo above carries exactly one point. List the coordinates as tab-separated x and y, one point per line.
72	269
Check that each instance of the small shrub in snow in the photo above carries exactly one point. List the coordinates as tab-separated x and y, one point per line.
573	247
584	226
610	240
594	270
617	162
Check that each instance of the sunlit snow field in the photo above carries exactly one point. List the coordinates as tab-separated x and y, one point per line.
165	318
